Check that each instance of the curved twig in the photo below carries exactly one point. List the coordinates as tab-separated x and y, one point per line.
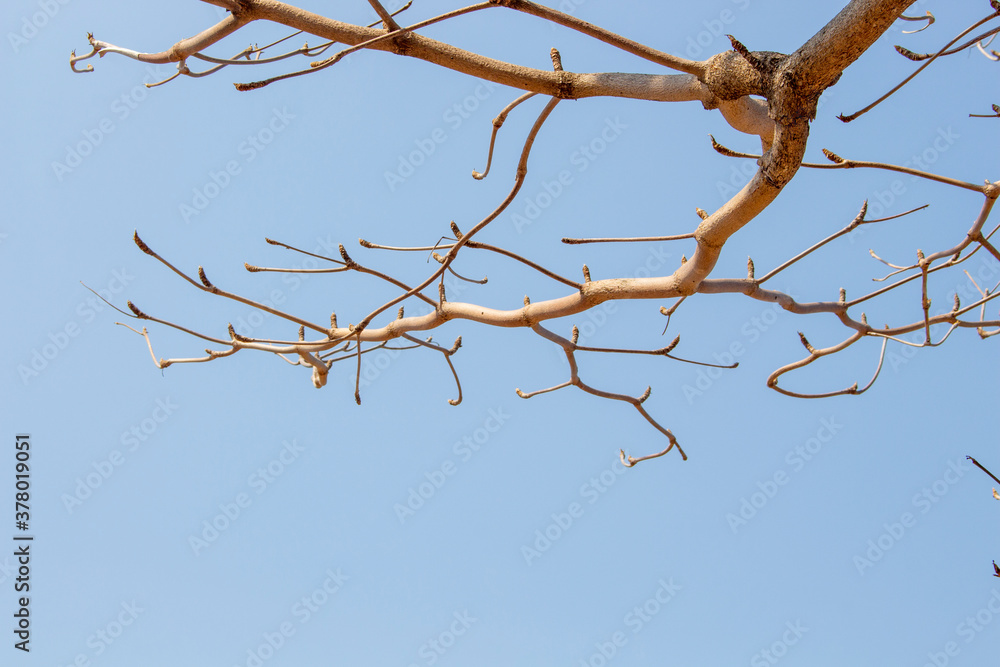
856	114
497	124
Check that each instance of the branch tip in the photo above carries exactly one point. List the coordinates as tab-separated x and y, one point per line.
909	55
833	157
204	278
739	48
343	253
135	309
142	244
244	87
805	343
556	59
722	150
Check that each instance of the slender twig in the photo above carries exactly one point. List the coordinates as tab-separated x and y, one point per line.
206	286
569	348
980	466
635	48
929	18
366	44
497	124
387	20
843	163
975	41
527	262
530	394
849	118
447	357
630	239
522	171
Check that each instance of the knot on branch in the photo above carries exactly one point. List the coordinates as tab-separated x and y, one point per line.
564	86
794	98
732	75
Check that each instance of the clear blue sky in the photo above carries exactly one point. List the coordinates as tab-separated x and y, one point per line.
231	514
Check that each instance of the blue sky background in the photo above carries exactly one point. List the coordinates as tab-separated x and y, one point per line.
131	465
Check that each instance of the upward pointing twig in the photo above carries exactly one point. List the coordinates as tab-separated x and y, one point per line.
980	466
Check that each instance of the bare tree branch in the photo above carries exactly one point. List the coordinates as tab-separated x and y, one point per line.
768	95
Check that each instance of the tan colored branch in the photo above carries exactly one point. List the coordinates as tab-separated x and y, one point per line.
789	85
